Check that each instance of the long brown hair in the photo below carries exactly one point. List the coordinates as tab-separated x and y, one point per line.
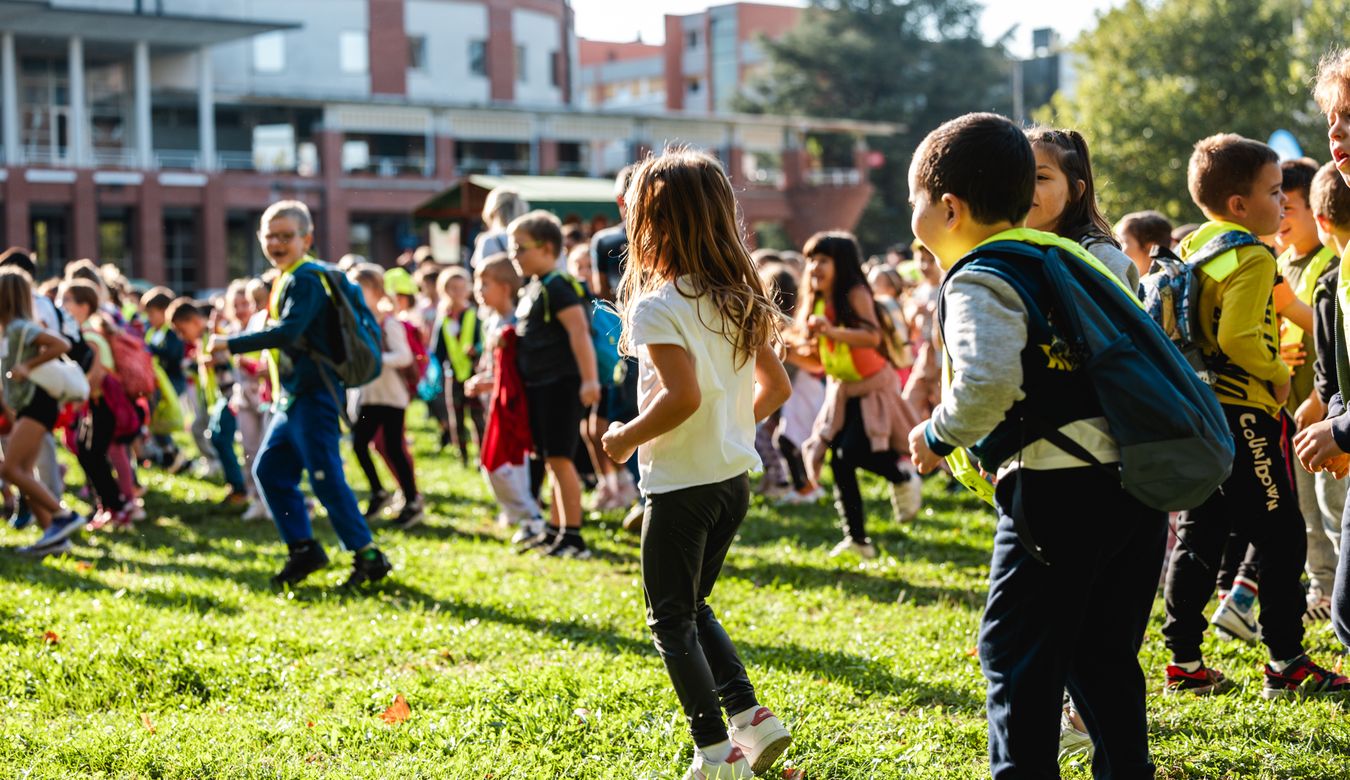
681	220
16	295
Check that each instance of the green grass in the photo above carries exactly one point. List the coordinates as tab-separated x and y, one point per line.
175	659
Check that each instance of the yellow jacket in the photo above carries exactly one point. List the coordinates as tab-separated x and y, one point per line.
1239	333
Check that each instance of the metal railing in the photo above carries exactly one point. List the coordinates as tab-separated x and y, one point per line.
388	167
834	177
493	167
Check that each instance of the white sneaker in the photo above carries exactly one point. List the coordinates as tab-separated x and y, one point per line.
794	498
602	499
907	497
860	549
734	768
763	741
1232	620
257	510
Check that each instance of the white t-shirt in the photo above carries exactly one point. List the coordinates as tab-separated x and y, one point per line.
718	441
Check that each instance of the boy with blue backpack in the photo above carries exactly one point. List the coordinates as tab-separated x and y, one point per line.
1238	185
311	301
1018	397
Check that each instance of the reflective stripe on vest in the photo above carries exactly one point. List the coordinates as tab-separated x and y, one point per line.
836	357
273	317
1307	285
1224	265
960	461
206	378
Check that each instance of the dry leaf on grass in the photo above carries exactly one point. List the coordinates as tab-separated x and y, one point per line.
51	638
397	712
83	566
794	774
145	721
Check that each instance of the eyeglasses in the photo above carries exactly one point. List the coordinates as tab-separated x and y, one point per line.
278	238
527	246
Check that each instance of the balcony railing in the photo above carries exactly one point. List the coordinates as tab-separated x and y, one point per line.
493	167
388	167
177	159
834	177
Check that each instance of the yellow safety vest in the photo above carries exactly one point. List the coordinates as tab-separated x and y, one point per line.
1307	285
836	357
274	316
458	349
960	461
206	378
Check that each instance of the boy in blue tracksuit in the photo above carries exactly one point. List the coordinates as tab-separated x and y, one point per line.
304	434
972	182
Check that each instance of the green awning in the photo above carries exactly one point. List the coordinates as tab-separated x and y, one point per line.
565	196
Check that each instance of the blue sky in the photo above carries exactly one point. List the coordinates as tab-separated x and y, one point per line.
621	20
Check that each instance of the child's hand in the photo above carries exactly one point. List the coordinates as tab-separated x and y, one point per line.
1310	411
590	393
925	460
1293	355
19	373
615	445
1339	466
216	343
478	384
1282	392
1316	447
815	324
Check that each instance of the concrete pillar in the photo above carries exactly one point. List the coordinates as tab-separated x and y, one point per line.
215	264
9	85
548	157
78	137
18	231
145	145
84	216
150	232
206	110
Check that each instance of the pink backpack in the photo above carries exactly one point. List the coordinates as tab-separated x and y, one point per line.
133	364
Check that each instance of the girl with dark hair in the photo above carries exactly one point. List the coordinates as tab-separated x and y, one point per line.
1065	202
864	423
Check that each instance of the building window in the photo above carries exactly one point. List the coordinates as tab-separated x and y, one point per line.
691	39
269	52
417	52
354	52
521	61
478	58
555	69
694	86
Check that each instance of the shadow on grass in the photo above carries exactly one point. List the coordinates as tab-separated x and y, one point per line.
875	587
864	675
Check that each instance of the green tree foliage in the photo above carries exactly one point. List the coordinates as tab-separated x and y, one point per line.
1155	77
916	63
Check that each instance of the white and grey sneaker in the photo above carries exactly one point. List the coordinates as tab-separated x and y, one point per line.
1074	745
734	768
412	513
763	741
1234	621
860	549
528	530
59	547
907	496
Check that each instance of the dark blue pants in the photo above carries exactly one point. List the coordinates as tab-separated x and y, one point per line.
1340	594
307	437
222	427
1077	622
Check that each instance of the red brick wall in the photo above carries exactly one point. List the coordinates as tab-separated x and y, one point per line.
501	53
388	42
674	63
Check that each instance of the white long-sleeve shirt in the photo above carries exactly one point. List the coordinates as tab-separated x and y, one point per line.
389	389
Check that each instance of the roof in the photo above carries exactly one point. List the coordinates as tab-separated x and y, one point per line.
563	195
42	18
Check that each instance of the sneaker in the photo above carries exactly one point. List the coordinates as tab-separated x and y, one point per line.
626	494
412	513
1304	679
907	497
763	741
1235	622
1201	682
602	499
101	519
568	546
773	491
136	512
379	501
1073	744
860	549
121	520
1319	609
368	566
528	530
180	463
304	559
542	540
22	517
632	522
42	551
62	527
798	498
256	511
734	768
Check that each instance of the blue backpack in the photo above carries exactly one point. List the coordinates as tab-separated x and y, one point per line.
605	326
1175	445
1169	292
357	347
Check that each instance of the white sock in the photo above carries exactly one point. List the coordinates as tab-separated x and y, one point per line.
742	719
1280	666
612	480
1189	666
717	753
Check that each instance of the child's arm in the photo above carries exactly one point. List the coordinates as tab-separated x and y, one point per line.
676	401
573	320
868	336
399	354
303	300
50	347
1242	326
772	386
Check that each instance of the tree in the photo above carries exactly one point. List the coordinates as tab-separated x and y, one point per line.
1155	77
916	63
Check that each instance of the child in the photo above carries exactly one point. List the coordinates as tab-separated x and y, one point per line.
169	351
457	345
697	318
557	364
1238	185
1066	199
383	405
923	389
191	326
1139	233
506	440
31	411
97	426
888	288
246	400
863	422
973	181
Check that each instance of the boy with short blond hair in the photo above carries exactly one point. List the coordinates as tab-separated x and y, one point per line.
1238	184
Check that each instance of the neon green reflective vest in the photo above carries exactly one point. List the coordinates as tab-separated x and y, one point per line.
1307	285
836	357
459	348
960	461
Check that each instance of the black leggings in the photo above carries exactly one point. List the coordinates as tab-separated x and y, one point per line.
388	421
95	434
792	458
851	450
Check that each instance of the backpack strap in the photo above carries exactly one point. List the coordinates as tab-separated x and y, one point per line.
1220	245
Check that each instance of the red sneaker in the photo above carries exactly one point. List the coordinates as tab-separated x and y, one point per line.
1201	682
1304	679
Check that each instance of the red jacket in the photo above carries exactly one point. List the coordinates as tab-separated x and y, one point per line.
507	439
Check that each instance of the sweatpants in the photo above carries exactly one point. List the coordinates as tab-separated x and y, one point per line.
510	485
387	422
685	538
1340	595
1089	641
252	424
191	403
851	450
222	427
1258	501
773	464
306	438
95	434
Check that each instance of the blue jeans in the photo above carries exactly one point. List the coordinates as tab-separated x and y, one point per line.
222	428
1077	622
1340	595
307	437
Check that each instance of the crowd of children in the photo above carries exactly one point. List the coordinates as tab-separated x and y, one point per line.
960	352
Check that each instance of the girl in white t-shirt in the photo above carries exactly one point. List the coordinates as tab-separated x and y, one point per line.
698	320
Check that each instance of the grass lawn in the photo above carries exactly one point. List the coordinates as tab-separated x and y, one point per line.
163	653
